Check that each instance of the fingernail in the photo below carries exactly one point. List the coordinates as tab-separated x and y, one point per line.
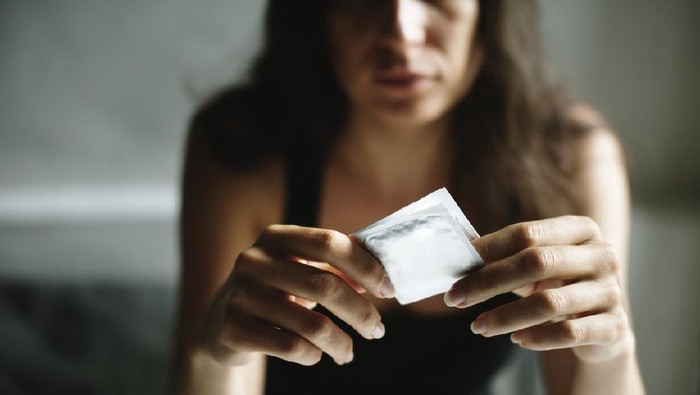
378	332
387	289
454	298
478	326
515	337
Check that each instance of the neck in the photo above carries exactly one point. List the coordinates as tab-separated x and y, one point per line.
395	162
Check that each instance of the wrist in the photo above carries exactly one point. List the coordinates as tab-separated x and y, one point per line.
616	370
622	349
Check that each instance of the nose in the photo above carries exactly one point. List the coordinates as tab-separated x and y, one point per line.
408	21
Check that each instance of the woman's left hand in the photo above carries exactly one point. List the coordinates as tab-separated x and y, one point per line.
568	278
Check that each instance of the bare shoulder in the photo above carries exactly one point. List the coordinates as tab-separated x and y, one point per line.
252	194
224	210
598	144
222	213
602	176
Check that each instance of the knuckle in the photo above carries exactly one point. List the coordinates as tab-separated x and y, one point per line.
484	282
294	348
498	320
245	267
551	302
528	234
330	239
316	327
371	271
368	319
619	325
610	260
236	297
592	226
227	348
537	260
614	294
326	286
247	260
248	255
230	336
270	232
375	276
573	332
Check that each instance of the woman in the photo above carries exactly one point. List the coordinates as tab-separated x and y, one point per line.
354	109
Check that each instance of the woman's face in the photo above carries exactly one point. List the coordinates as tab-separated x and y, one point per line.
404	61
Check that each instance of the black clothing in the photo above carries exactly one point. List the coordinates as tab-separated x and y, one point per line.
416	356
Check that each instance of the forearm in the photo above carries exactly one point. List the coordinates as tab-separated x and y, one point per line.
619	375
207	376
567	374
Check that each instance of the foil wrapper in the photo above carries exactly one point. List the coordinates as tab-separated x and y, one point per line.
424	247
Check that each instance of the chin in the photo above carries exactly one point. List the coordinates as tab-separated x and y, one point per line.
409	113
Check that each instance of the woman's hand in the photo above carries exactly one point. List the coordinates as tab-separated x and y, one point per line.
266	304
568	279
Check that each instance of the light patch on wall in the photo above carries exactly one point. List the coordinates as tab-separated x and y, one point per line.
88	203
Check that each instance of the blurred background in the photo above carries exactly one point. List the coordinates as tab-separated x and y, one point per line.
94	103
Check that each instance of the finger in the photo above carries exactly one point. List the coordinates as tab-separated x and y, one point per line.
530	266
315	327
545	306
303	302
510	240
600	329
335	248
538	286
321	265
247	335
315	285
324	266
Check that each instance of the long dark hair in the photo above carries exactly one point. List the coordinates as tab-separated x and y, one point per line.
513	126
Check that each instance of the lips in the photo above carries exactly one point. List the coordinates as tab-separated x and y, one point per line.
401	81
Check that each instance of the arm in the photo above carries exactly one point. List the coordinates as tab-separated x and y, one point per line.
244	278
570	274
604	180
217	222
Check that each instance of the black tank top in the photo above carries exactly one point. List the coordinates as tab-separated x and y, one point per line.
416	356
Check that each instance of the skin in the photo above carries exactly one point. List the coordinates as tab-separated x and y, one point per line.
243	275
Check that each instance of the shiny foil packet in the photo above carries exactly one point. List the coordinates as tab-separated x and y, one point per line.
424	247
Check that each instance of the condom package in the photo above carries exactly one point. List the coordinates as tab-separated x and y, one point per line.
424	247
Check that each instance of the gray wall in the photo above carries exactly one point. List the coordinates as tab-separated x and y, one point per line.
637	61
96	94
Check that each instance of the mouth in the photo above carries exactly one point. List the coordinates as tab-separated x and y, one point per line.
401	81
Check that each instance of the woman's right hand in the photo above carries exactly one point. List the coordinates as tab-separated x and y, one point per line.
266	303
